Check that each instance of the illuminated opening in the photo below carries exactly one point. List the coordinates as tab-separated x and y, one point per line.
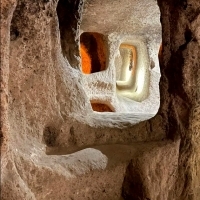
133	71
129	61
127	71
101	107
93	52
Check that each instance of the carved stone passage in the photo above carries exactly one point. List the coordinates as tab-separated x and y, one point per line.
134	73
70	135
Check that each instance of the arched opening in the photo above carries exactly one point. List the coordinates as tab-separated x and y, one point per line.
133	74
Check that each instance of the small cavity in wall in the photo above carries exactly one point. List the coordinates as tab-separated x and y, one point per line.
101	107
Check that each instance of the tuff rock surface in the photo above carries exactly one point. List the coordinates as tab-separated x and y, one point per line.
52	147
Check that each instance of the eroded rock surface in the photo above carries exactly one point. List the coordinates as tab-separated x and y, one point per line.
53	148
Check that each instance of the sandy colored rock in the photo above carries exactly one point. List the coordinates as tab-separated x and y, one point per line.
53	146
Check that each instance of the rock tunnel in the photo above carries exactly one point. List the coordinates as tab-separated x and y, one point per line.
93	106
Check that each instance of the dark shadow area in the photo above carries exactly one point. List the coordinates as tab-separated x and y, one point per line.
69	14
132	188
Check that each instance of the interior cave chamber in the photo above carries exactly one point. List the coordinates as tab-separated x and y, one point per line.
93	106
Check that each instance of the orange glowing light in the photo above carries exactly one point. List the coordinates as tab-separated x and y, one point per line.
85	60
92	52
99	107
101	50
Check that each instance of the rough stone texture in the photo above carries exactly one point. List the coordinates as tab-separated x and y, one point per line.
49	151
180	89
150	174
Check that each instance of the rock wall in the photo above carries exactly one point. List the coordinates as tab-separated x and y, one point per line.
49	151
180	86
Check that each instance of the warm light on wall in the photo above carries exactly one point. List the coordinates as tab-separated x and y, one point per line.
100	107
93	52
85	60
